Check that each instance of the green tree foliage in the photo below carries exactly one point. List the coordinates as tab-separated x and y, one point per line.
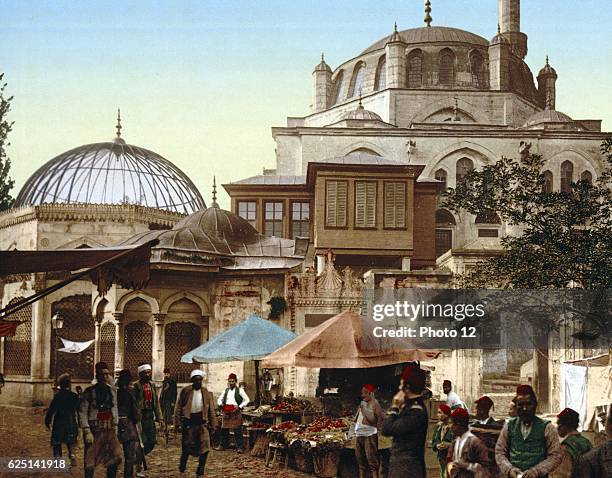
6	183
561	236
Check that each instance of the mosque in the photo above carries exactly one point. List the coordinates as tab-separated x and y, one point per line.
353	203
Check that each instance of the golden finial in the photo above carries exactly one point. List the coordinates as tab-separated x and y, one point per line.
118	123
428	17
214	193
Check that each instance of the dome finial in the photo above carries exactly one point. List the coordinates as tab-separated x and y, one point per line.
428	17
546	59
360	104
214	193
118	123
498	29
395	27
322	57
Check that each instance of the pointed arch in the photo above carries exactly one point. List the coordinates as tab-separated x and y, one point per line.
340	87
137	295
363	146
567	176
201	303
356	86
414	66
380	81
446	67
477	68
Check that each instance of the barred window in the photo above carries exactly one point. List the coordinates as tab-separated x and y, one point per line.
18	349
548	181
442	176
445	224
180	338
395	205
336	197
107	345
415	69
273	220
381	74
365	204
567	176
138	345
300	219
248	210
447	68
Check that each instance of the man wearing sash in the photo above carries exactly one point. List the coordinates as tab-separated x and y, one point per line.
369	420
232	401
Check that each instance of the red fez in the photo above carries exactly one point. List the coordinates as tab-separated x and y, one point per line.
232	376
485	402
166	370
369	387
569	417
461	415
415	377
525	390
444	408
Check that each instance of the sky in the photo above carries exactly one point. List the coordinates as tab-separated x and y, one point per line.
201	82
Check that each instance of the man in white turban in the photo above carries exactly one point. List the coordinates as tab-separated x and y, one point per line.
193	416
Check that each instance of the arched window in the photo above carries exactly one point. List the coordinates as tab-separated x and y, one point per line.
447	68
445	224
415	69
478	70
464	166
444	218
548	181
381	74
586	176
340	87
567	176
357	80
441	175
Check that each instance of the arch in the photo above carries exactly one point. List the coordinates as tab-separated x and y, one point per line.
464	148
442	175
414	66
18	348
548	181
140	295
580	160
340	87
445	217
477	68
362	145
356	86
446	67
449	104
462	167
202	304
81	242
380	81
567	176
364	150
450	114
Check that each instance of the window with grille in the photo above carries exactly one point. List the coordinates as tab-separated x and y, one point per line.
441	176
415	69
336	198
357	81
395	205
548	181
381	75
300	219
365	204
273	219
478	70
567	176
340	87
18	349
78	327
444	241
107	345
464	166
137	345
248	210
180	338
446	74
488	233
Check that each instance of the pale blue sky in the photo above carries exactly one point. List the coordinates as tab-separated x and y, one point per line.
202	82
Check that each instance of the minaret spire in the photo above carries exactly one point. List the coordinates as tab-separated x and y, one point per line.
214	193
428	17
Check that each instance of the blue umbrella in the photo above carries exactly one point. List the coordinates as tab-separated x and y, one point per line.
252	339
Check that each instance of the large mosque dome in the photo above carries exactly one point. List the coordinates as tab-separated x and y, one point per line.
112	173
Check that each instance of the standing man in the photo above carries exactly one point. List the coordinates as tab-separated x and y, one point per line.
597	463
194	415
99	418
167	398
129	416
483	407
527	445
442	437
147	402
232	401
369	420
468	456
573	444
407	424
452	399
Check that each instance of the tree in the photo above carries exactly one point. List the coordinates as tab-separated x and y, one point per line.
562	237
6	183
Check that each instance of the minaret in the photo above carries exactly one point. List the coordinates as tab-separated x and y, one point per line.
322	86
395	53
547	79
509	12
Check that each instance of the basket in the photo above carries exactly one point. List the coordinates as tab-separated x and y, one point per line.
260	447
326	463
301	457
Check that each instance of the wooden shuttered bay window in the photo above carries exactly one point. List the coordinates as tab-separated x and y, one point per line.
336	198
395	205
365	204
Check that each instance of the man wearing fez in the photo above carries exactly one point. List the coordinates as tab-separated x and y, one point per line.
98	418
232	401
597	463
167	397
129	416
573	444
369	420
407	424
527	447
147	402
483	407
442	437
193	415
468	457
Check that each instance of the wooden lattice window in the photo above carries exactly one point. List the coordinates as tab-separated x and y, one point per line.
180	338
107	345
395	205
336	197
365	204
78	327
444	241
18	349
137	345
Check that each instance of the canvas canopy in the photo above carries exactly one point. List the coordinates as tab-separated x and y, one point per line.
344	341
252	339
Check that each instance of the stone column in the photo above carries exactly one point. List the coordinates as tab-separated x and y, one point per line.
118	340
158	347
97	345
41	342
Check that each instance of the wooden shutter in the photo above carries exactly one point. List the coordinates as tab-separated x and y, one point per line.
335	203
395	205
365	204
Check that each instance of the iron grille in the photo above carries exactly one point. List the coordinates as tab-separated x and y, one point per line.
180	338
18	349
137	345
78	327
107	345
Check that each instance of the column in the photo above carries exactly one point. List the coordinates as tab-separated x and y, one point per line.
41	342
118	340
97	346
158	347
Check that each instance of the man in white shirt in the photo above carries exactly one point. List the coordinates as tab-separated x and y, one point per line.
467	456
232	401
452	399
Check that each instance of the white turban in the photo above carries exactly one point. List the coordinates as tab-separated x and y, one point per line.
144	367
197	372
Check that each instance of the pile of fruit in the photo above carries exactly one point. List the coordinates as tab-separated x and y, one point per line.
328	424
259	425
285	426
288	407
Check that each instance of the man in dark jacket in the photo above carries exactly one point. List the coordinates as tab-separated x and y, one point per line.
407	424
597	463
129	416
167	397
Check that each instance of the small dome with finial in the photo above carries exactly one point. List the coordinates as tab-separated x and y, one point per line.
499	38
395	37
547	70
323	66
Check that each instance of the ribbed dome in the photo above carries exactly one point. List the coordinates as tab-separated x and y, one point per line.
112	173
360	113
548	117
